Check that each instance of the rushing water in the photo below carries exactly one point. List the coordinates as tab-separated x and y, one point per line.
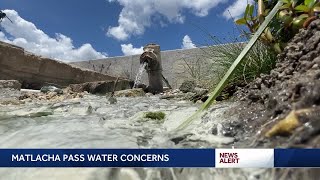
139	74
92	122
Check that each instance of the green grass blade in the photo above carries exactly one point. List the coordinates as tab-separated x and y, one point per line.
233	67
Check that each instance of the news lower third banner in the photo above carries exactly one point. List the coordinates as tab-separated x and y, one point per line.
203	158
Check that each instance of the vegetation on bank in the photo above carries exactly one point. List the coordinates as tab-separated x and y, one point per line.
261	58
265	27
226	65
292	16
208	69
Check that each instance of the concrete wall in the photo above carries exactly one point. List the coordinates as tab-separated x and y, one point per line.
178	65
33	71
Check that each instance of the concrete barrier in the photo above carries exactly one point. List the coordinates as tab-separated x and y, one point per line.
177	65
173	64
34	71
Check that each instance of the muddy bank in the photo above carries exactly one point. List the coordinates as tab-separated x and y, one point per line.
281	109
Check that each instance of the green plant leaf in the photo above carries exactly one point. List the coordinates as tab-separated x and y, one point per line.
233	68
303	16
251	10
297	22
309	3
294	3
285	1
285	6
241	21
302	8
269	35
246	11
249	19
277	47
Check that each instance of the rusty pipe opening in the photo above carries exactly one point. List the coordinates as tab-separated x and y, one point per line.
152	61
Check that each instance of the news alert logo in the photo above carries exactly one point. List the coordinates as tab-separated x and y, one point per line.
244	158
229	158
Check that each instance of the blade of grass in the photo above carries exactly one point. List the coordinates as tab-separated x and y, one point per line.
233	67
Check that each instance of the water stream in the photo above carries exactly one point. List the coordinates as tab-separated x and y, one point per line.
139	74
91	122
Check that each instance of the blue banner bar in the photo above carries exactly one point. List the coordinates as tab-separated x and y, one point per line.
297	158
107	157
226	158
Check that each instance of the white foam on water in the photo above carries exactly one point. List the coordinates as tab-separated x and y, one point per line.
121	125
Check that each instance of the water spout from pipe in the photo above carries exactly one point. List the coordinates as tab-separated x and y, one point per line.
139	74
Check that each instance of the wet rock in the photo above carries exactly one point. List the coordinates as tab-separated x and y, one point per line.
215	140
145	88
233	129
112	100
130	93
253	97
214	130
50	96
46	89
28	112
204	98
272	103
200	93
27	96
100	87
11	102
178	139
310	95
187	86
81	111
228	129
149	94
172	96
11	84
176	91
166	88
188	96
